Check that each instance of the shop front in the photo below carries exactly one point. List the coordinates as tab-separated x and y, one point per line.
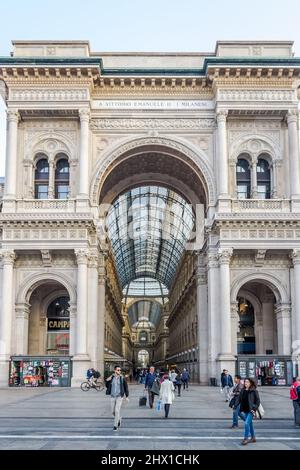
267	370
43	371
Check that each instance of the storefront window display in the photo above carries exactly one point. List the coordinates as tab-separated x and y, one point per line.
40	371
272	370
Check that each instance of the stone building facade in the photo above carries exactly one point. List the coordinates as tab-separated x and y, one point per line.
219	131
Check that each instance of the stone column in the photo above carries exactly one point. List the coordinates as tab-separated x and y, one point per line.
213	303
84	115
73	180
51	186
234	326
296	302
93	306
73	321
101	314
6	313
225	357
254	178
81	360
292	121
259	334
21	329
202	319
283	317
28	178
274	169
82	317
222	153
11	154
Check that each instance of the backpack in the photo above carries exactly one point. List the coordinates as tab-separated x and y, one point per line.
293	393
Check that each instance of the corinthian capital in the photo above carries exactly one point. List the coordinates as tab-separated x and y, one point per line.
7	256
292	116
84	114
12	115
93	258
225	255
82	255
222	115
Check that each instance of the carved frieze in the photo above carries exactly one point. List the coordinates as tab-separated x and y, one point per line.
165	124
48	94
256	95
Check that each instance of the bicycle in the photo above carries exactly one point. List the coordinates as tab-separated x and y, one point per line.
88	384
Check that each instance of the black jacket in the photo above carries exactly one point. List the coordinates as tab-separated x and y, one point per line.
253	399
123	386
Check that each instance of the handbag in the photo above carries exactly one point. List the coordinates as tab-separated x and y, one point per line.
155	388
158	405
260	412
143	401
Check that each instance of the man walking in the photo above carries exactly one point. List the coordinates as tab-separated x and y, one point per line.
227	384
185	377
235	402
117	388
150	378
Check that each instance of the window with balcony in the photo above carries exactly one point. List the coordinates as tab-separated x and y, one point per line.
263	179
62	178
41	184
243	179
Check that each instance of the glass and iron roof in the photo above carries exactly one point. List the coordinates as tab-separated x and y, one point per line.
148	228
144	312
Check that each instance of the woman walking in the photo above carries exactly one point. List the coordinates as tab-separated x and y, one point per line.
249	402
166	394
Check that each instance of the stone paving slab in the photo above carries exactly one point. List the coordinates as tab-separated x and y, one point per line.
199	419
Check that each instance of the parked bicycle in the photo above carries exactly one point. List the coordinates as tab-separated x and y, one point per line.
97	384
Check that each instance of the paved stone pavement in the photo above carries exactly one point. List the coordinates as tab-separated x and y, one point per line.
200	419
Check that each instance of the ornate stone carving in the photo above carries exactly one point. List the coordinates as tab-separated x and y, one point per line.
225	255
165	124
260	257
84	115
93	258
7	256
256	95
292	116
184	151
295	256
12	115
222	115
212	260
49	94
46	258
82	255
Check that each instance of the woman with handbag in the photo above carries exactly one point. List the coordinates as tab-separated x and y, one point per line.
166	394
249	402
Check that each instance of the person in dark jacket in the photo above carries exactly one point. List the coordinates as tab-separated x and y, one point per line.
185	377
227	384
234	402
150	378
249	402
117	388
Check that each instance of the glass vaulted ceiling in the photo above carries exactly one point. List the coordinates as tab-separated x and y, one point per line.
148	227
144	312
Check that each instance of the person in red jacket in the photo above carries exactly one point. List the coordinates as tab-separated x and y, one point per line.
295	396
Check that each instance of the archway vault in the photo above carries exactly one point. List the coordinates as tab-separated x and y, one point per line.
154	160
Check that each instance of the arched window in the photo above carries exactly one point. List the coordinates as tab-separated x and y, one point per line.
263	179
41	179
243	179
143	336
62	178
246	330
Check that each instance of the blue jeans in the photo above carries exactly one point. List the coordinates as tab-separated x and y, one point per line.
236	414
249	429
